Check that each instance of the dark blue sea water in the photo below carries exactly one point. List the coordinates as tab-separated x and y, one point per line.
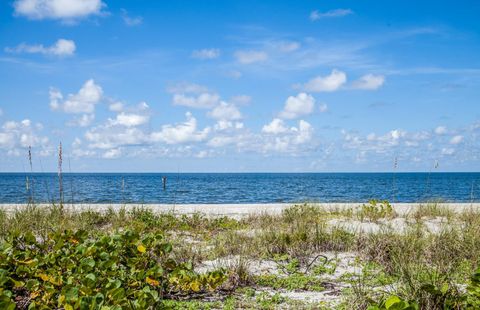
241	187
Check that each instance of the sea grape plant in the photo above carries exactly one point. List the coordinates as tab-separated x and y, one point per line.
72	270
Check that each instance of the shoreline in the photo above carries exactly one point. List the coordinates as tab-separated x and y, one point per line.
236	210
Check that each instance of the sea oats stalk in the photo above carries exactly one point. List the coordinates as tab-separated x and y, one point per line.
123	190
60	177
427	189
31	189
395	165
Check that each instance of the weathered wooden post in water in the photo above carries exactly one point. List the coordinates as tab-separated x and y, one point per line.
164	182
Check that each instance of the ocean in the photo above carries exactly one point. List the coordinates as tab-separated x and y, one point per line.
240	187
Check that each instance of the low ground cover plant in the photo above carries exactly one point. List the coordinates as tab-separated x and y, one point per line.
72	270
375	210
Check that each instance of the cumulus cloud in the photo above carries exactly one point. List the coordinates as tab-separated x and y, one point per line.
447	151
276	126
456	139
250	56
17	135
181	133
116	106
329	83
82	102
296	106
82	121
193	96
373	142
130	119
201	101
60	48
67	10
316	15
440	130
111	154
222	125
206	53
369	82
225	111
416	146
286	140
107	137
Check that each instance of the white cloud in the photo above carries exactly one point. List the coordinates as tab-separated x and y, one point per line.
82	102
316	15
207	53
296	106
82	121
412	146
304	132
116	106
221	141
60	48
112	154
67	10
369	82
276	126
143	106
107	137
202	154
131	21
440	130
448	151
202	101
225	111
377	143
15	135
181	133
286	140
225	124
130	119
329	83
456	139
250	57
193	96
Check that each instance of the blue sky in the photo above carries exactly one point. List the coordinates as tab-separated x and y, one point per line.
240	85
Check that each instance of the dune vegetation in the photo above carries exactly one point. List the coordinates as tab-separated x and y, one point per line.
305	258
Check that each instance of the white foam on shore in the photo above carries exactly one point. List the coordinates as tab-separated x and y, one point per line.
237	210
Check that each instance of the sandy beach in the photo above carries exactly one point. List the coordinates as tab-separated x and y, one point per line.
239	210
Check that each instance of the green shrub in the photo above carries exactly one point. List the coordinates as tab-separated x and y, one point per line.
376	210
72	270
473	291
394	303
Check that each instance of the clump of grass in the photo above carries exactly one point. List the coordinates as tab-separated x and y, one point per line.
375	210
431	210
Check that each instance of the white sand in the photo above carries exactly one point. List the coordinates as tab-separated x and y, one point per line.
238	210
